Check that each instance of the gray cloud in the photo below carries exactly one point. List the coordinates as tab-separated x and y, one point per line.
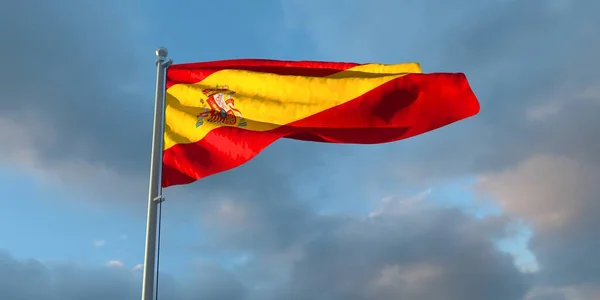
76	102
519	56
71	82
32	279
402	251
532	63
523	56
558	197
425	255
544	166
538	148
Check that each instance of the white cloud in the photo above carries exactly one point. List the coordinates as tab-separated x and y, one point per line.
543	111
551	104
99	243
399	206
115	263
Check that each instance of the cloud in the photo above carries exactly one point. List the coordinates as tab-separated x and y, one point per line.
558	196
402	251
534	146
516	64
537	189
66	115
425	253
520	74
579	292
543	160
534	67
32	279
99	243
67	76
115	264
74	108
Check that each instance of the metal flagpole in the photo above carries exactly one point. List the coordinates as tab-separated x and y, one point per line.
155	187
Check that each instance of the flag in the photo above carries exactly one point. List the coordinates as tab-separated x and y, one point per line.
219	115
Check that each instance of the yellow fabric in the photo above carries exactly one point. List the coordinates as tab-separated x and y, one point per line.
267	100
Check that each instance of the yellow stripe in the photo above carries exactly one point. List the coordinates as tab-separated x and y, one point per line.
267	100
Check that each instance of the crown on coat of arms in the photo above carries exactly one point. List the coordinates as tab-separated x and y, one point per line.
218	89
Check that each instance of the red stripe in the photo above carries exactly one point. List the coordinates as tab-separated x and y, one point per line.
399	109
195	72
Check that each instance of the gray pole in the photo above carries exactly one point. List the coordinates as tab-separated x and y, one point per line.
155	187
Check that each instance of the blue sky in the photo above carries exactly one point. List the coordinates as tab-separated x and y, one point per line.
427	218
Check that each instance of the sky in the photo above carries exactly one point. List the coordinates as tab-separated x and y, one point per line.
501	206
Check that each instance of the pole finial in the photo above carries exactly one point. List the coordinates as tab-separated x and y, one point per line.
162	52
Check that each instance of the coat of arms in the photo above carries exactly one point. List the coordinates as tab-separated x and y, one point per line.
219	108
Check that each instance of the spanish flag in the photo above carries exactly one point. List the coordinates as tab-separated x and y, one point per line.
221	114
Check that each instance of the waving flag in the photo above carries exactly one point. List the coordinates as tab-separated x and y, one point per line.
219	115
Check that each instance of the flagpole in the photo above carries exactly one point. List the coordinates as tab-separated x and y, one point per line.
155	186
